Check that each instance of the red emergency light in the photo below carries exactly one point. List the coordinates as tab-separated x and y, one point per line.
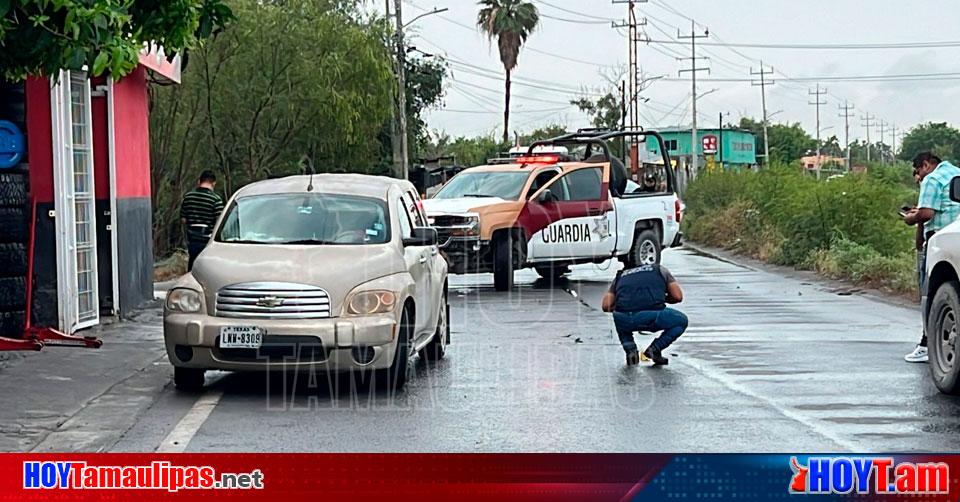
539	159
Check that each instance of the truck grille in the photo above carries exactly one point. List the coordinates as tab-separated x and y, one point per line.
273	300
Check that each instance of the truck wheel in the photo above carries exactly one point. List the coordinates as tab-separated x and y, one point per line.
13	190
503	262
943	325
394	378
436	348
188	379
646	249
552	272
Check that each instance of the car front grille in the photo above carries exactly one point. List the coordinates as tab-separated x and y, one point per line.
273	300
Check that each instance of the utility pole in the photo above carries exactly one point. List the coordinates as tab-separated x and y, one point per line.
404	165
867	121
882	127
763	83
694	138
623	117
846	110
896	133
818	103
633	24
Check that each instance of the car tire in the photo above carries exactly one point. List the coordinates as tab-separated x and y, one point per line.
13	260
943	324
646	249
394	378
188	379
13	190
503	262
14	224
13	293
553	272
436	347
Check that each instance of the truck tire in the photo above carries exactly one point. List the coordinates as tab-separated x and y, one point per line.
13	225
503	262
646	249
13	260
13	294
943	325
13	190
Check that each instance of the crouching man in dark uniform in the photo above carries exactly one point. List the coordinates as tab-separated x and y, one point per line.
638	299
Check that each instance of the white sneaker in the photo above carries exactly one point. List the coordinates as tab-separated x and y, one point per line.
919	355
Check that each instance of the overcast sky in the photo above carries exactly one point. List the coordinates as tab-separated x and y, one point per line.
592	48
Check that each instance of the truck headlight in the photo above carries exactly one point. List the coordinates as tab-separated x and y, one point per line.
184	300
467	226
372	302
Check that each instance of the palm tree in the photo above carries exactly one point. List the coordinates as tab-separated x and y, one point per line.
510	22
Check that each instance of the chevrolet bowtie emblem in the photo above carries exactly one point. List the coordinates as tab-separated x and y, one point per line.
269	301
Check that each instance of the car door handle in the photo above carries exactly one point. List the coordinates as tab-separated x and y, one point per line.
423	259
594	211
434	250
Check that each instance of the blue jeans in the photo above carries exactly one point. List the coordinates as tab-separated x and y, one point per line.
671	321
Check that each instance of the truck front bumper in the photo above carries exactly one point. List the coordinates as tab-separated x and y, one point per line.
335	344
467	255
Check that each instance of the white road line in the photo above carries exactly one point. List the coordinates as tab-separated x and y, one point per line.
181	435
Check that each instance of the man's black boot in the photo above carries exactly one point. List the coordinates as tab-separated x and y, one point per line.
633	358
653	354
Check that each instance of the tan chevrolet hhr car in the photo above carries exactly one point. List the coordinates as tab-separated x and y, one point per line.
334	272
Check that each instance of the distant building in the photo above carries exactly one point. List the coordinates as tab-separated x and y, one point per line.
735	148
826	162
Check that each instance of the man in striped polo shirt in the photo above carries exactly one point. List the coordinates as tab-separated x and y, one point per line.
199	212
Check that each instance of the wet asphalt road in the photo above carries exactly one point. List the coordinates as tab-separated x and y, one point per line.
770	363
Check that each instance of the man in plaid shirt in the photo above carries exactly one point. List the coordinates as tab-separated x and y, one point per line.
934	211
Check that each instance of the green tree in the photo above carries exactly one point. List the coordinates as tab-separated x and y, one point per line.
605	111
937	137
510	22
547	132
788	142
291	84
40	37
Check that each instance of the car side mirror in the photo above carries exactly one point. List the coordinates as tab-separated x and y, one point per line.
422	236
546	196
955	189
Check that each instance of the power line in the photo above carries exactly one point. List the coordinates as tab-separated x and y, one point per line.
906	77
821	47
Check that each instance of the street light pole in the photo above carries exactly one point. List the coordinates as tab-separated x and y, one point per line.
404	165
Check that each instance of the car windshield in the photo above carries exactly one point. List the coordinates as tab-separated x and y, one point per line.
321	219
505	185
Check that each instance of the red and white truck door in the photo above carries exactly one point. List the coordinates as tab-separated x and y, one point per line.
575	219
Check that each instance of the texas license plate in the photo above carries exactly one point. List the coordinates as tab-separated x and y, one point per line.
241	337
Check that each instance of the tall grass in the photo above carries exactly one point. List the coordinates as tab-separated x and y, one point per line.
846	227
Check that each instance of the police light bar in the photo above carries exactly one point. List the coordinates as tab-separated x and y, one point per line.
539	159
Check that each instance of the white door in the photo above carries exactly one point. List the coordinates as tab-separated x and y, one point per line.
418	263
74	202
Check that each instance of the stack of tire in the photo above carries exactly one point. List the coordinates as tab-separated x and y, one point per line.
14	234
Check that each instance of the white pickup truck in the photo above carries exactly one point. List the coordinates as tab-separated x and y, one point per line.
941	303
550	211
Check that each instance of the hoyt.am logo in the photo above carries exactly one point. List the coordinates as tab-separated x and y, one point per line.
874	475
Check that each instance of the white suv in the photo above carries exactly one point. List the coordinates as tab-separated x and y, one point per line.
941	303
335	272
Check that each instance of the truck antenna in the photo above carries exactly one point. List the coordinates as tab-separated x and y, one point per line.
308	163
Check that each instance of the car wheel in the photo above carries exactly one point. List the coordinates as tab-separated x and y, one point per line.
436	348
553	272
394	378
503	262
188	379
646	249
942	336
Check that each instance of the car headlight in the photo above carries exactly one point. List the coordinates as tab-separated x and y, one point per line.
372	302
184	300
